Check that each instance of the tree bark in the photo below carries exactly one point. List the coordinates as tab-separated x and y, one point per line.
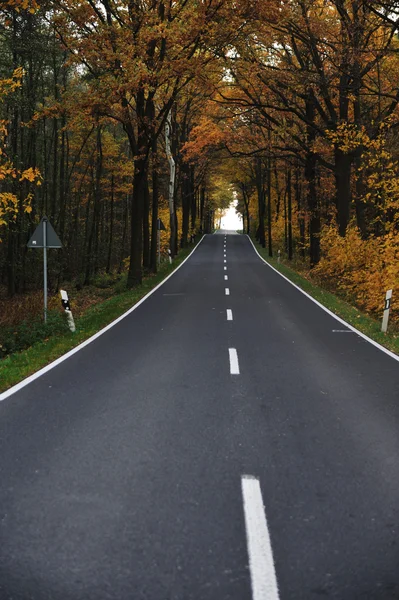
155	202
289	207
111	224
342	173
269	201
135	275
310	175
301	217
201	208
261	202
193	199
185	197
172	178
146	223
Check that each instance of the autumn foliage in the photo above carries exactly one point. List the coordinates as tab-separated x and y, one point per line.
288	106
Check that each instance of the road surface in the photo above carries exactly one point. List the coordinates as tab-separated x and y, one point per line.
228	440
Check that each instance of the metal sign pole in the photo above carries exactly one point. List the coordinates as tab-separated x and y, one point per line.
159	246
45	268
44	237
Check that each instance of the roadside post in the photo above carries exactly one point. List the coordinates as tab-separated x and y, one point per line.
66	306
160	227
44	237
387	307
278	256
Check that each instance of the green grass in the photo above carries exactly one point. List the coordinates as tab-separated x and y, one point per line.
17	366
363	322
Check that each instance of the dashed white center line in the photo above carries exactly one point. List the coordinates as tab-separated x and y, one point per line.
226	277
227	291
225	268
225	260
234	366
261	564
229	314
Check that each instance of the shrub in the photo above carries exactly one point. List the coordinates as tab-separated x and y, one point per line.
28	332
362	270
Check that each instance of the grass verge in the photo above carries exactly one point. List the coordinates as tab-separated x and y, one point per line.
363	322
17	366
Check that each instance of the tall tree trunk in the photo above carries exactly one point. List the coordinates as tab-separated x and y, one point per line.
135	274
360	187
111	224
301	217
63	195
155	202
201	208
146	224
136	239
172	177
285	214
289	206
193	196
125	219
310	175
87	241
92	257
54	189
185	197
246	209
278	191
342	172
261	201
11	287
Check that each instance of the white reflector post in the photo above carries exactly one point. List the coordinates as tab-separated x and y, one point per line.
386	311
67	308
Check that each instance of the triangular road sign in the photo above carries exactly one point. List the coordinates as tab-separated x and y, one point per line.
52	239
161	226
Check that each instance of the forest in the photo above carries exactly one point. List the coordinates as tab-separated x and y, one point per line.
115	113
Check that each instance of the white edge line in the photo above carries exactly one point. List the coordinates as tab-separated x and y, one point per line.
229	314
260	553
234	365
28	380
336	317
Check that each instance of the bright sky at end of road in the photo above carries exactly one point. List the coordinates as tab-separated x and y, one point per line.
231	221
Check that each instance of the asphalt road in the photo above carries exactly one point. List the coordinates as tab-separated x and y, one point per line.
121	469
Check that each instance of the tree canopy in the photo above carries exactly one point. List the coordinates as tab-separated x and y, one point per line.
290	107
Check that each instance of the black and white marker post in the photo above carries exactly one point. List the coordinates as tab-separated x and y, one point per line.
386	311
44	237
67	307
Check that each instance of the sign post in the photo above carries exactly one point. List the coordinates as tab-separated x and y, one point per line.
44	237
45	268
386	311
